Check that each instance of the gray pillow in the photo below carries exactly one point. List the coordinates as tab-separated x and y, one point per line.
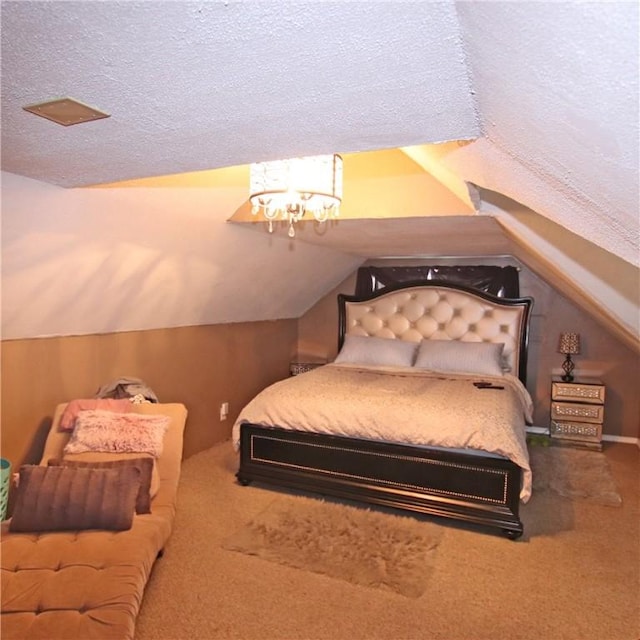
454	356
72	499
371	350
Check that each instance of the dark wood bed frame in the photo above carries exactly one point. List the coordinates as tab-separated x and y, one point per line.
473	489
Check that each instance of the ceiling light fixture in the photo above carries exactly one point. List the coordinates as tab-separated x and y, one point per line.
288	189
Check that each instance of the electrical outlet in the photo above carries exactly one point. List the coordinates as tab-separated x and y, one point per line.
224	410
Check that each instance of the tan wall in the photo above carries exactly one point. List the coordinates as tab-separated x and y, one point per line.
602	354
318	328
198	366
207	365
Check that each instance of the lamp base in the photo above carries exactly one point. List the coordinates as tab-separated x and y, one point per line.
568	368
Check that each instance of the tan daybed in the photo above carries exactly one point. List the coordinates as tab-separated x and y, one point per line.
89	584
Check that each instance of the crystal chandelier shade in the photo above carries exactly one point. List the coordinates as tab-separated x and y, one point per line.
288	189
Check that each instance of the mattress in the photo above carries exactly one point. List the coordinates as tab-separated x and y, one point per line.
403	406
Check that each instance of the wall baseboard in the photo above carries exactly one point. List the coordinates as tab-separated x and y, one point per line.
606	437
541	431
623	439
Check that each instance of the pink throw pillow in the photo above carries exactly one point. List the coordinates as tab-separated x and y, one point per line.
70	413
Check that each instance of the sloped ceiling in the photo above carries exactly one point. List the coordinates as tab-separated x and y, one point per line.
202	85
557	94
545	96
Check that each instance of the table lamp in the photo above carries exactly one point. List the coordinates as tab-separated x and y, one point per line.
569	345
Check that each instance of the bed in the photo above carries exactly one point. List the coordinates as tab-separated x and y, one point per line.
424	409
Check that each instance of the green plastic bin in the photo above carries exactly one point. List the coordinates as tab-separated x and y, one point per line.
5	479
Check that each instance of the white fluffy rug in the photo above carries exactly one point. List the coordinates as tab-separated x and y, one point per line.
577	474
367	548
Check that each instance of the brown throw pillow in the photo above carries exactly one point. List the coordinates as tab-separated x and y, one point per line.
101	456
145	466
69	499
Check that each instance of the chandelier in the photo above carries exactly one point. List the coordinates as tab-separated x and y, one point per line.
288	189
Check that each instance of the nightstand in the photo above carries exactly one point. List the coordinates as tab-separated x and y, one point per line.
577	412
297	367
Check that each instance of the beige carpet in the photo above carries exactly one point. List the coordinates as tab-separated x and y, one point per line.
577	474
364	547
575	574
382	550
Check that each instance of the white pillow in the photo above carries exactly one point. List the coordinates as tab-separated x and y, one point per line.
453	356
384	352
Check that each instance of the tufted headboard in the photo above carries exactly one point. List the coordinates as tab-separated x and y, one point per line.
440	311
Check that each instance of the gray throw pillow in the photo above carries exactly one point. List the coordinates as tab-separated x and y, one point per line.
381	352
455	356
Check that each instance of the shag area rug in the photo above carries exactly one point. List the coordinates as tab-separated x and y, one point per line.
367	548
577	474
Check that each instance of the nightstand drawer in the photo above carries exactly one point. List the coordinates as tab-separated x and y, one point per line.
579	412
581	431
567	391
296	368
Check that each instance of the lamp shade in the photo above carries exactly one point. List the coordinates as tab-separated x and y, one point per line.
287	189
569	343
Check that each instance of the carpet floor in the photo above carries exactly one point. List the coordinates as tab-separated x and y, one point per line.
575	574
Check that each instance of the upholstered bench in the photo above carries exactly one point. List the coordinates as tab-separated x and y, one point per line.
88	584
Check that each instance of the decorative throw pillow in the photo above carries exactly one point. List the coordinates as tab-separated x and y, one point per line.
454	356
118	433
67	499
144	466
372	350
70	413
100	456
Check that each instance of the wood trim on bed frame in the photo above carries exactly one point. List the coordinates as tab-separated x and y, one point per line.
474	489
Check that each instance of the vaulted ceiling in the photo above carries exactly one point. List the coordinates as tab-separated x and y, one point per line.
467	128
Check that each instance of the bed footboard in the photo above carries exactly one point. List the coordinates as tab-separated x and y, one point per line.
474	489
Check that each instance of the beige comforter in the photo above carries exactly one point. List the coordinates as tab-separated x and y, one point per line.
407	406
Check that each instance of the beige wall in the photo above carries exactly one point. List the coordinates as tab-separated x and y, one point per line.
198	366
602	355
207	365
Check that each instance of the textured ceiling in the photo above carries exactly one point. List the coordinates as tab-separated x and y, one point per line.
545	93
202	85
556	85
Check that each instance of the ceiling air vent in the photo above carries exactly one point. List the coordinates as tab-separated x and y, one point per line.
66	111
